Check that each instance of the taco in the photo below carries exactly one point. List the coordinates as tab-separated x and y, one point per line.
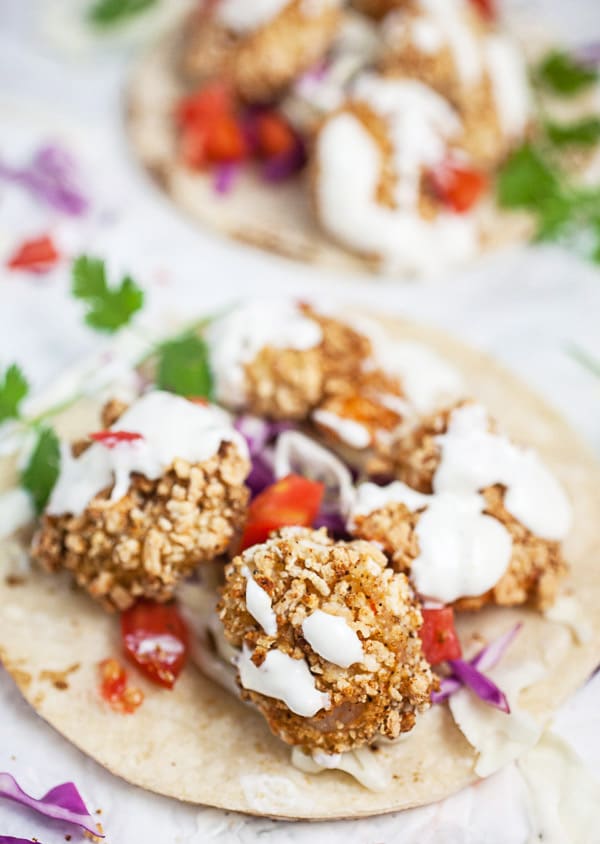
335	133
348	583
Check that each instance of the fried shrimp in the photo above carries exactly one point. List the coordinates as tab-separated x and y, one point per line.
339	627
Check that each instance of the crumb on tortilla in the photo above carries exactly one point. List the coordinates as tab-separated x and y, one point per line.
262	63
290	383
302	571
143	545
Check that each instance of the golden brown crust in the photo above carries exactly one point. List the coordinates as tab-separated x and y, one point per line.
262	64
302	571
142	545
289	383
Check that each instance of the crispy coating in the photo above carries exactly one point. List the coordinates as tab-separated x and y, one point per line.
289	383
302	571
378	8
534	573
261	64
537	565
143	545
483	138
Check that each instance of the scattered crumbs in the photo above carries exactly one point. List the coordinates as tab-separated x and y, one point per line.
67	837
98	811
93	837
59	678
13	758
375	749
14	580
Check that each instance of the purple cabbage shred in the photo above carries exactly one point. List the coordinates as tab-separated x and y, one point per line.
62	803
51	178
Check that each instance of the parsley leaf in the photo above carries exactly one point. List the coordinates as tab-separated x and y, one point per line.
109	12
564	75
525	179
183	367
582	133
41	472
13	389
108	308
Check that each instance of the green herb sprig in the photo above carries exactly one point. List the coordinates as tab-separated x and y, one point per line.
560	73
108	308
108	13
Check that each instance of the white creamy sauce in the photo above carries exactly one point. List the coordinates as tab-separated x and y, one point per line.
508	75
451	20
428	381
331	637
462	551
362	764
259	604
348	430
283	678
16	511
568	611
498	737
350	162
564	795
296	453
236	339
170	426
472	458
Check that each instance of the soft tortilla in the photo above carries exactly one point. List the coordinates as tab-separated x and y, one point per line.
275	218
199	744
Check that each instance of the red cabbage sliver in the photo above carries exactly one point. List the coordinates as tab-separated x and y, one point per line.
50	177
62	803
224	177
487	658
485	689
282	167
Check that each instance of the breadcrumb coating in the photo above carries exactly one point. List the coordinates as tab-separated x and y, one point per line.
302	571
143	545
537	565
260	64
289	383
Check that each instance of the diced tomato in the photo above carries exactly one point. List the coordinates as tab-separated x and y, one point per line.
457	186
225	140
274	135
438	635
291	501
37	255
486	8
114	689
155	638
210	101
112	438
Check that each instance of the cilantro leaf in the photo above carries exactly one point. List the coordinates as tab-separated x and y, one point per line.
109	12
563	74
108	308
41	472
583	133
183	367
13	389
526	179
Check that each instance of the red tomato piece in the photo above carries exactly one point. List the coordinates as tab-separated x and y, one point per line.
155	638
457	186
112	438
438	635
291	501
225	141
37	255
113	680
486	8
212	100
274	135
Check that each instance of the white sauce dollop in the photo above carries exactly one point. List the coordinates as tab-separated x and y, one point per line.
259	604
283	678
472	458
331	637
349	165
236	338
462	551
171	427
363	764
